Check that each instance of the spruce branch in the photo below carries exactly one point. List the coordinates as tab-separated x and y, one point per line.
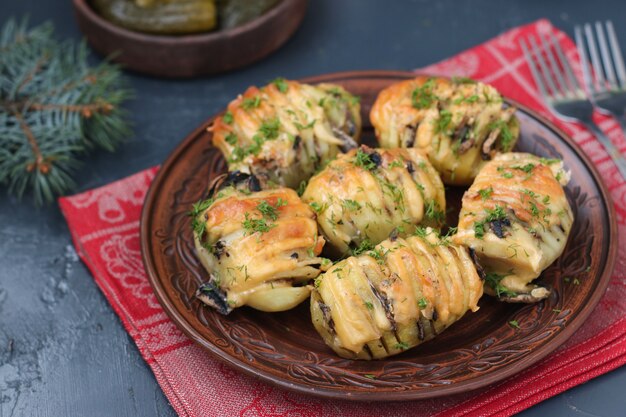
54	108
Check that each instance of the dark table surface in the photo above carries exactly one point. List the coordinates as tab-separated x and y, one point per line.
63	352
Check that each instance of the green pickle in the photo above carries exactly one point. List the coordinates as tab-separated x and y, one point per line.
237	12
163	17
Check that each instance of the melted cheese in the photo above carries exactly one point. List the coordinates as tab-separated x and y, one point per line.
248	262
395	297
357	205
517	218
459	124
284	134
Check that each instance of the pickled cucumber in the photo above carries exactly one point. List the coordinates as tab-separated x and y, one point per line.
163	17
237	12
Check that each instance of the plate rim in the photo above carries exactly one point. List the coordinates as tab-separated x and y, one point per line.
455	388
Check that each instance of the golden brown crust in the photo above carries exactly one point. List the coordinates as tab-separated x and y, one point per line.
458	123
256	243
394	297
517	218
286	130
366	194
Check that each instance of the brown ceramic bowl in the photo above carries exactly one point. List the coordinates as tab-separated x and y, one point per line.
284	348
191	55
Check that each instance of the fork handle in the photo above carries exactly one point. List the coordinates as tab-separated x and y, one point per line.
613	152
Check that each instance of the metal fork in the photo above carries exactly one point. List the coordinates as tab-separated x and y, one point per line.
608	90
566	98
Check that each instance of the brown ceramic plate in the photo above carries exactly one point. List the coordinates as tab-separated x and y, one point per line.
191	55
284	349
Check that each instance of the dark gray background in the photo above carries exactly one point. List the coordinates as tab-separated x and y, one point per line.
63	352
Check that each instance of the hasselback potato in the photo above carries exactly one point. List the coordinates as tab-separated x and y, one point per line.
260	247
517	219
366	194
285	131
459	123
400	294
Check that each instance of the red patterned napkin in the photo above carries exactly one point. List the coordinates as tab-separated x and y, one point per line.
105	227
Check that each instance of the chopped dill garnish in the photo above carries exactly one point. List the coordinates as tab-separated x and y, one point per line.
497	213
364	246
228	118
269	128
471	99
281	84
506	136
534	210
401	346
549	161
364	160
463	80
256	225
421	232
558	176
493	281
302	187
479	229
267	210
514	324
529	193
526	168
317	207
485	193
267	131
505	174
304	127
443	122
423	97
231	139
378	254
351	205
249	103
433	212
197	224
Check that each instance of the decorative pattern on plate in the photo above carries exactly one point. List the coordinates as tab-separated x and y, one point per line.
283	348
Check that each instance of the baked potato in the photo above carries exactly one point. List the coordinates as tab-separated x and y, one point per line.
287	130
363	196
260	247
394	297
517	219
460	123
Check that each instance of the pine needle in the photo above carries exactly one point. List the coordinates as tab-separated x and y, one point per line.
54	108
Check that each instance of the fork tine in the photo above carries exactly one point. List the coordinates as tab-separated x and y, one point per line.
534	71
617	54
543	67
555	66
584	60
595	60
565	63
606	57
